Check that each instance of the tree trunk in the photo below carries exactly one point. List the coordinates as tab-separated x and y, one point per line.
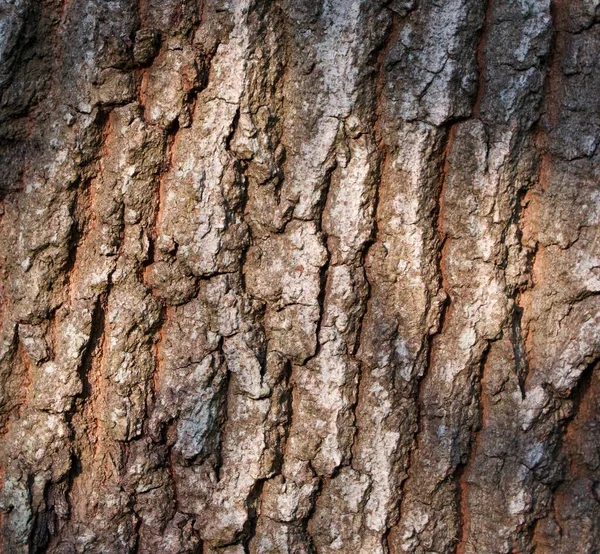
300	276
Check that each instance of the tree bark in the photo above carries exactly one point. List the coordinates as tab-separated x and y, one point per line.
299	276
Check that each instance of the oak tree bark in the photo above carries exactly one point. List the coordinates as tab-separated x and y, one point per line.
299	276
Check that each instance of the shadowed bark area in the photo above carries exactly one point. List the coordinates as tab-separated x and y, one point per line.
299	277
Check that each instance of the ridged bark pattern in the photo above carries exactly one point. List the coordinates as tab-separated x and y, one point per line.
299	276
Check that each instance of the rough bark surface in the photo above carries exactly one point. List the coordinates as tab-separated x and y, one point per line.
299	276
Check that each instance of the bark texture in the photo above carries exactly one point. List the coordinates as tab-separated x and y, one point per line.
299	276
